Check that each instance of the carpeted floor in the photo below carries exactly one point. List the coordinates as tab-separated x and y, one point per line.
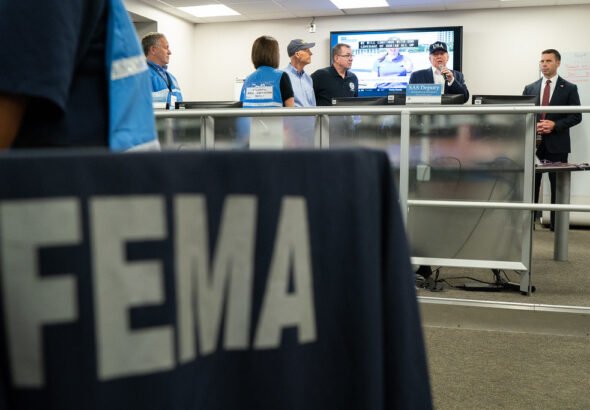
478	369
556	283
472	369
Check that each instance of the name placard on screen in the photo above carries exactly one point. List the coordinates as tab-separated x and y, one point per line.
424	93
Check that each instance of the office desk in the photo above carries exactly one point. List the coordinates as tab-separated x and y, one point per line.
562	196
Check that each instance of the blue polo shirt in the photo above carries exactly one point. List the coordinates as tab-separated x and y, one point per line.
302	87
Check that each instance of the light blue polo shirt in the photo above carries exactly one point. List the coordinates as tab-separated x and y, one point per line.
302	87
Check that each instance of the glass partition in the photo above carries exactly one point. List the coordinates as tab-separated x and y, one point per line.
465	155
370	131
238	133
456	157
179	133
468	158
279	132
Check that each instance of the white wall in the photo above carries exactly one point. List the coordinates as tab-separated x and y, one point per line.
180	35
501	50
501	47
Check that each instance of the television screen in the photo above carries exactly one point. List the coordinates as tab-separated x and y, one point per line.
384	59
504	99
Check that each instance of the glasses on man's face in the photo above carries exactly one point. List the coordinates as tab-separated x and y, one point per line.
345	55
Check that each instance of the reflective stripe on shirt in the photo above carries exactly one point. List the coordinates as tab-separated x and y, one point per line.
127	67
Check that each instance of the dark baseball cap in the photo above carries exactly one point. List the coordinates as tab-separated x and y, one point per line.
438	46
297	45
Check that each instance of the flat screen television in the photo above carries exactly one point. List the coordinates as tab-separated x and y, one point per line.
377	76
504	99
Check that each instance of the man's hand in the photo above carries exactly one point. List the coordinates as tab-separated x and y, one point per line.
545	127
12	109
448	74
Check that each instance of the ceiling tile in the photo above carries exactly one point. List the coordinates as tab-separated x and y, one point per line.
284	9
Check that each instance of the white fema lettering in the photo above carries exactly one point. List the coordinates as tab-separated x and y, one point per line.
30	301
204	291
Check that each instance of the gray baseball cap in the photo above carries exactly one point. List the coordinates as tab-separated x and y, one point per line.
297	45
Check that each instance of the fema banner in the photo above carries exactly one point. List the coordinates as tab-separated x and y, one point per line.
242	280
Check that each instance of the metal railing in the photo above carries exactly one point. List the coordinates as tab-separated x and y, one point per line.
322	129
322	139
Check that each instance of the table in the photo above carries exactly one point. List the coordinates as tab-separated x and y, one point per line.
206	280
562	196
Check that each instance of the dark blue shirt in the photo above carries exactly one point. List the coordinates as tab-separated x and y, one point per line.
328	84
55	56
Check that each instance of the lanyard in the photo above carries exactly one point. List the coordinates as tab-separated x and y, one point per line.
164	76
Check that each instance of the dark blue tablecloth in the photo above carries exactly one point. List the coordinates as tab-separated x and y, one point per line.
235	280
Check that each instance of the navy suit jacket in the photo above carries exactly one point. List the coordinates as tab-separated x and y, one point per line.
565	93
425	77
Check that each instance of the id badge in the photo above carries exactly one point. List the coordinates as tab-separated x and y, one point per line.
172	102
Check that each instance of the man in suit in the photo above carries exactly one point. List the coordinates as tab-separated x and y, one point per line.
553	129
439	73
454	83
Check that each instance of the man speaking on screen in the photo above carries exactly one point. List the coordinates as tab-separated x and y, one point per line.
439	73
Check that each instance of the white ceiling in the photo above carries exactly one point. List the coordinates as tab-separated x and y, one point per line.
285	9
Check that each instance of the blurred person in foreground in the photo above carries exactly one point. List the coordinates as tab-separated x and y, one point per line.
93	91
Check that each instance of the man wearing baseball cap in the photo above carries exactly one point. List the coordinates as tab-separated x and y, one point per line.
454	83
439	73
299	52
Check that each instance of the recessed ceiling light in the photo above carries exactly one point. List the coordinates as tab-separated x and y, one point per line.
211	10
359	4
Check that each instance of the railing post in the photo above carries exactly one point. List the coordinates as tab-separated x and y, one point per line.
207	132
322	131
562	219
404	165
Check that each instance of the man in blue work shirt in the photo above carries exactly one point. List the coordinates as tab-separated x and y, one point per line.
165	89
